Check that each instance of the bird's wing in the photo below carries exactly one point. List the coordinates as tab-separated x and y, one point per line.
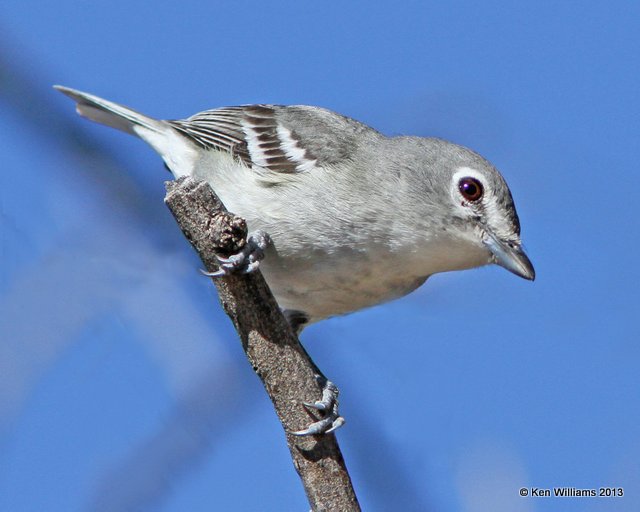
251	133
282	139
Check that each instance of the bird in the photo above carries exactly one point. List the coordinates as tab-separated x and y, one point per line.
341	216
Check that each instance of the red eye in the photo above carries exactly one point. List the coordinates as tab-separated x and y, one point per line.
470	188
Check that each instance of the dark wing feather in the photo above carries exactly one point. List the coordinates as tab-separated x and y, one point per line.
252	133
216	129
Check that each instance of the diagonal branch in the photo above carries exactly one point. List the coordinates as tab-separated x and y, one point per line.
285	368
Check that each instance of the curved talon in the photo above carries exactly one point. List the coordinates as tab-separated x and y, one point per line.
235	260
226	261
218	273
318	406
323	426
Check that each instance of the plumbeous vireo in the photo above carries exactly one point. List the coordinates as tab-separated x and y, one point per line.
344	216
355	218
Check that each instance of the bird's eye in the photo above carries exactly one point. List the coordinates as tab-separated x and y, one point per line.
470	188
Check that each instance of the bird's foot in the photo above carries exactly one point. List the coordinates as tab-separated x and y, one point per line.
328	407
246	260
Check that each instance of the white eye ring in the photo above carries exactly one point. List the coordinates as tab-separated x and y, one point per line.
467	173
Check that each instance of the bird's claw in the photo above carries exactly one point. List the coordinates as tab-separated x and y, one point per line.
245	261
329	397
328	405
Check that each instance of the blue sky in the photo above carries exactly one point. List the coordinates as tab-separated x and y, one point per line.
122	385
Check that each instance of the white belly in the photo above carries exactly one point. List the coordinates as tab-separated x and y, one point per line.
336	283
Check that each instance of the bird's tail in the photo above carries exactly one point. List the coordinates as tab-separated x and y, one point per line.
109	113
178	153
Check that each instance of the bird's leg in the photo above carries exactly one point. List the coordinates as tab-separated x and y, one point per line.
296	319
247	259
328	407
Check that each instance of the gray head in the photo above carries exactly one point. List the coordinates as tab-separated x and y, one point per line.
474	205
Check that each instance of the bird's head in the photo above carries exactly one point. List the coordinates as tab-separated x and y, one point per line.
477	208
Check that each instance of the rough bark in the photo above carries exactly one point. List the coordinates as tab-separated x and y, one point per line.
274	351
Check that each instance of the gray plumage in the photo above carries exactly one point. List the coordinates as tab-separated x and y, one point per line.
356	218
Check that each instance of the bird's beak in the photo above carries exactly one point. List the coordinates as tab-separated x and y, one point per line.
510	256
